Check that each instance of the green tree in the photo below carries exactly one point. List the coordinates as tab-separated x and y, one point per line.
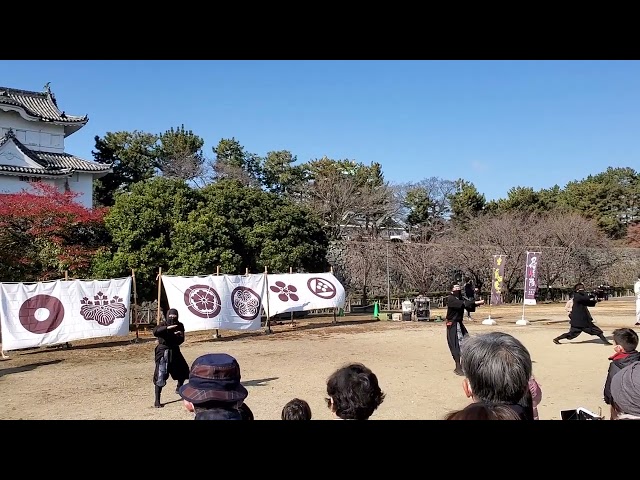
280	175
466	202
179	154
611	198
141	224
166	223
133	157
428	206
266	229
232	161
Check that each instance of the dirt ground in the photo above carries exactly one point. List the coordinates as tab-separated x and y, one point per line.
112	378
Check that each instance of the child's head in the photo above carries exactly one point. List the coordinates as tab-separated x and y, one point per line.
296	409
353	392
625	340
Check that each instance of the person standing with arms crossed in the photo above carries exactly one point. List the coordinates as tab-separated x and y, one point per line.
168	357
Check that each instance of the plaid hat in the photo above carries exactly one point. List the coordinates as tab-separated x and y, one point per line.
214	377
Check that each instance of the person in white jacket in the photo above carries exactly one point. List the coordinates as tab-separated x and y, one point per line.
636	290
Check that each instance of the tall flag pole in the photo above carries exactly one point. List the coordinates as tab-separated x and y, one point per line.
497	277
530	283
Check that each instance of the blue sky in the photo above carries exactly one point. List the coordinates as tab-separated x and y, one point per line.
497	124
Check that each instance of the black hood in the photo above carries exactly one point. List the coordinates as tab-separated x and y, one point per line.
172	312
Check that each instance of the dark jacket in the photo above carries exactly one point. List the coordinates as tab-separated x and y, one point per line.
456	307
618	362
219	414
169	338
580	315
469	291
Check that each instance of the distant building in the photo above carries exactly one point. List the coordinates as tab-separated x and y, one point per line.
32	133
385	227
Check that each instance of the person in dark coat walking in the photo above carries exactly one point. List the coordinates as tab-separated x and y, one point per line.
580	319
469	293
168	357
625	342
456	331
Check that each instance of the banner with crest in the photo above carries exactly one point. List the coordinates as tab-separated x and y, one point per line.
497	279
49	313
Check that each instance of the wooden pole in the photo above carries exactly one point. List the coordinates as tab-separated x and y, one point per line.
159	278
291	273
335	319
268	322
217	334
135	301
66	279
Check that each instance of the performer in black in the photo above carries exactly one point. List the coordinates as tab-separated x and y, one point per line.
456	331
580	319
168	357
469	293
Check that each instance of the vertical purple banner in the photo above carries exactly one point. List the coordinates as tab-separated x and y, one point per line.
531	277
497	279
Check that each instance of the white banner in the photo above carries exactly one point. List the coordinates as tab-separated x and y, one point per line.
225	302
294	292
49	313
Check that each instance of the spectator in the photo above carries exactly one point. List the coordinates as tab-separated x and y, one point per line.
296	409
497	369
625	342
483	411
536	396
353	392
625	393
214	391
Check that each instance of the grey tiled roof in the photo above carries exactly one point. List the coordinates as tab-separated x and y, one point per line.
60	172
52	163
38	104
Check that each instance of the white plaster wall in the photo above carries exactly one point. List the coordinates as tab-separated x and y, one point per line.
40	136
83	184
79	182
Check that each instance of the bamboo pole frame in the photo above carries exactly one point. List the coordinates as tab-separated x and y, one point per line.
291	273
267	323
335	317
159	278
135	303
217	334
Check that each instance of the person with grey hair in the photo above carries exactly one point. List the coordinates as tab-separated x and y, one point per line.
497	369
625	393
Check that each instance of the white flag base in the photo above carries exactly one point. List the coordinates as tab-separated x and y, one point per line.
489	321
522	321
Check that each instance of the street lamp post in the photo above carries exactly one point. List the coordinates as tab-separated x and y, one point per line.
388	281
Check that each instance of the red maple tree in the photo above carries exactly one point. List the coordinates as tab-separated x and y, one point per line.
633	235
44	232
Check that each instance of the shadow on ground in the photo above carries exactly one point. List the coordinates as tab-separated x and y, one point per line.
261	382
26	368
117	343
297	328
